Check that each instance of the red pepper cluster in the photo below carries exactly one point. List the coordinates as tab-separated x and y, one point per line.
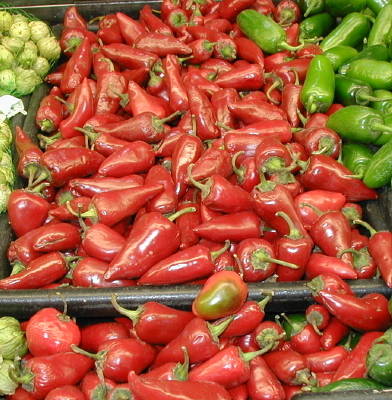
162	353
146	137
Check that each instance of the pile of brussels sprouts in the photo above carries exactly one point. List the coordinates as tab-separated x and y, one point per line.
28	49
7	173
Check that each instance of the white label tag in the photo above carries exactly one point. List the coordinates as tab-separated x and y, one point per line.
10	106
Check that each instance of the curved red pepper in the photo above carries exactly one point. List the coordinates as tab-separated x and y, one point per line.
50	111
161	45
130	29
247	175
333	334
202	50
291	103
251	111
67	392
328	360
318	316
269	334
186	223
152	22
72	19
109	29
321	264
247	77
220	101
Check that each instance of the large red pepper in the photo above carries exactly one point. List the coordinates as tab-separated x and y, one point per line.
325	173
72	19
71	38
68	392
91	186
220	101
146	389
156	323
248	77
234	227
111	207
153	238
50	112
249	51
43	270
78	67
130	29
354	365
202	50
328	283
103	143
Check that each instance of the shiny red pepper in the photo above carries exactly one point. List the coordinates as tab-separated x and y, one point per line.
247	175
130	28
109	29
186	223
152	22
318	316
93	385
321	264
333	334
72	19
110	86
161	45
71	38
287	12
71	209
251	111
291	103
328	360
50	112
66	392
248	77
269	334
330	283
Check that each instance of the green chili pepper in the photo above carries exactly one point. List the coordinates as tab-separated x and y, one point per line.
318	89
358	124
350	384
293	324
377	52
379	171
384	103
378	74
356	157
380	32
379	363
339	55
377	5
311	7
264	31
350	32
351	340
385	137
316	26
340	8
352	91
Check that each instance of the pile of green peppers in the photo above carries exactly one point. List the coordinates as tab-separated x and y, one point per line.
354	70
7	172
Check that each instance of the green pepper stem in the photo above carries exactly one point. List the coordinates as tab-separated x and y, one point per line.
238	171
303	165
294	232
223	126
45	141
133	315
178	214
263	257
262	303
311	6
181	369
17	267
91	213
286	46
275	85
381	127
217	253
78	350
70	107
170	117
323	150
217	330
253	354
314	208
371	230
264	185
205	188
71	210
38	188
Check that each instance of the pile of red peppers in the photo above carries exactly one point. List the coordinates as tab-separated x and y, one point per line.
161	353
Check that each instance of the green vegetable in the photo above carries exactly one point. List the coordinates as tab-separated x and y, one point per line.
316	26
28	56
5	132
5	192
340	8
339	55
384	106
356	157
20	30
350	32
378	74
377	5
350	384
12	339
49	48
379	171
14	45
311	7
293	324
6	21
41	66
7	80
382	27
379	363
26	81
20	18
319	87
6	58
39	30
7	384
385	137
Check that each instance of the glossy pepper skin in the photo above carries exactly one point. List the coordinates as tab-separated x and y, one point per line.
356	157
379	171
50	112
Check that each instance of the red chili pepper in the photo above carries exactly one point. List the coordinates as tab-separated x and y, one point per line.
309	50
220	101
303	339
291	103
153	238
248	77
71	38
265	7
27	210
317	120
49	332
207	214
287	12
161	45
176	18
102	64
321	264
247	174
195	78
234	227
93	335
186	223
71	210
318	316
269	334
363	262
251	111
104	143
358	241
365	314
380	248
156	323
239	392
55	77
328	360
111	207
72	19
55	142
109	30
145	388
333	334
263	383
289	366
139	75
91	186
274	60
129	57
94	386
40	375
170	371
325	173
218	24
334	108
199	337
152	22
202	50
133	158
292	33
321	199
130	28
354	365
184	266
67	392
110	86
50	112
249	51
292	70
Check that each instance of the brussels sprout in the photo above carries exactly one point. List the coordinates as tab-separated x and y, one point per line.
41	66
4	145
6	21
14	45
20	30
49	48
7	80
12	339
29	55
5	192
5	132
20	18
38	30
26	81
7	175
7	384
6	58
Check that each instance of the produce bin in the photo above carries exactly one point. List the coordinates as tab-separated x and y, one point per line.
88	303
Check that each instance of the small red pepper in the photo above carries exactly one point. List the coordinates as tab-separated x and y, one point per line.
317	120
287	12
327	360
248	77
269	334
155	323
152	22
186	223
220	101
202	50
318	316
249	51
71	38
110	86
56	76
50	112
247	174
234	227
109	30
93	385
251	111
333	334
130	29
161	45
71	209
72	19
321	264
